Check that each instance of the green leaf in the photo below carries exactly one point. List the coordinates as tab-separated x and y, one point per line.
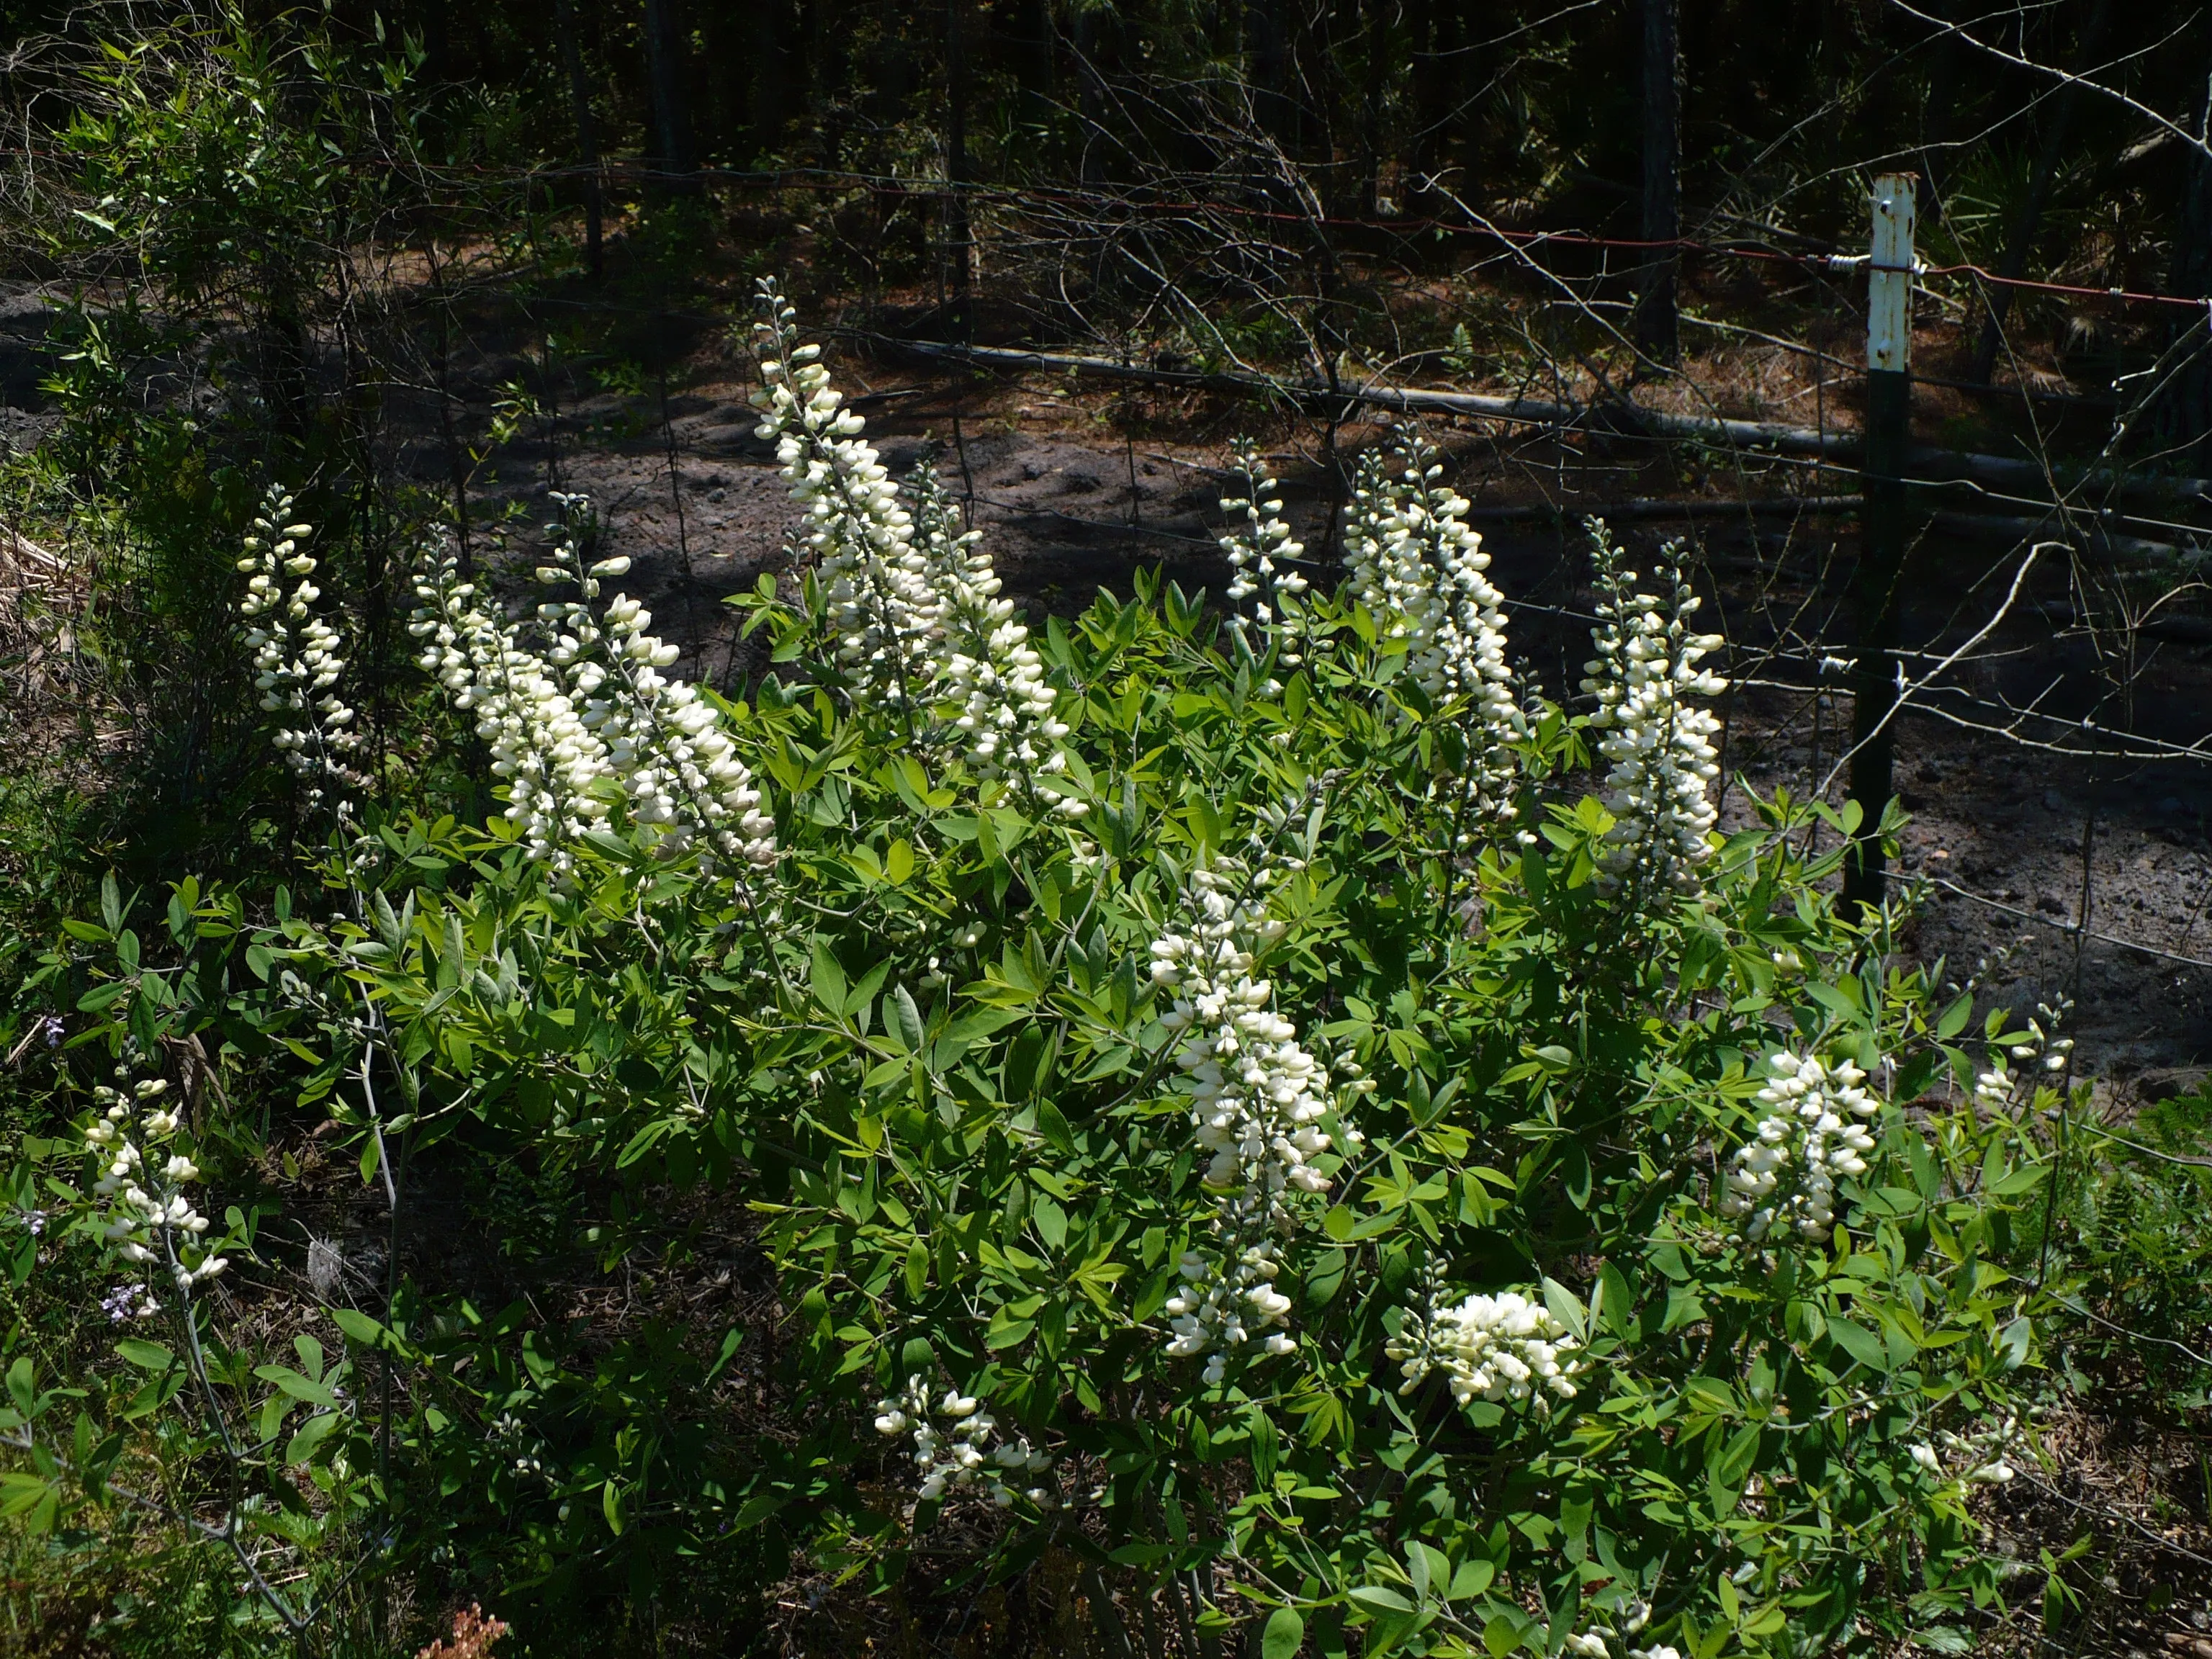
756	1509
1862	1344
360	1326
19	1492
21	1389
2014	1343
299	1387
1053	1128
2026	1179
917	1269
611	1506
908	1019
1473	1578
1050	1222
303	1446
831	987
1381	1599
1619	1302
1944	1638
1565	1307
1285	1634
147	1356
731	1343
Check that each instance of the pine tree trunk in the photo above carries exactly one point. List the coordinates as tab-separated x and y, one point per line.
2022	241
1375	69
1935	118
1434	32
1268	50
587	140
958	251
2185	417
671	126
771	75
1657	332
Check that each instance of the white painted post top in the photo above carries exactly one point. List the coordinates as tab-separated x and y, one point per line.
1889	275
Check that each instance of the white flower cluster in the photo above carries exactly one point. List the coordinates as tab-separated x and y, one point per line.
881	602
961	1454
149	1220
1416	565
915	603
2039	1048
666	744
1659	742
296	662
552	761
1258	1097
595	708
1984	1456
1257	553
1634	1616
1503	1347
1814	1130
980	655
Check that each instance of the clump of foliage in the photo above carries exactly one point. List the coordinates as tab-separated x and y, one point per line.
1216	1103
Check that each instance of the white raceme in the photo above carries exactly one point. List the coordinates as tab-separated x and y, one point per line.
1262	555
956	1447
1258	1100
1418	567
1814	1130
296	661
982	666
144	1213
881	603
539	744
1508	1347
1643	675
915	604
666	745
593	721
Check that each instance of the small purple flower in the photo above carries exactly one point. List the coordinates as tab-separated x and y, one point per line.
53	1029
34	1222
119	1304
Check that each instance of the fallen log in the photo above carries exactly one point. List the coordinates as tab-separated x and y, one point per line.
1772	506
1619	419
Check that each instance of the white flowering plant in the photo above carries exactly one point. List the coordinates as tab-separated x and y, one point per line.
1273	1110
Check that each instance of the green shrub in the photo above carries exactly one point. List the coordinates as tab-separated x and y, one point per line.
1210	1104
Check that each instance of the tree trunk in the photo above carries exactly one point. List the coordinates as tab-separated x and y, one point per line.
769	106
2184	419
1656	327
1091	45
1268	50
671	126
1376	70
2022	242
587	139
958	251
1936	117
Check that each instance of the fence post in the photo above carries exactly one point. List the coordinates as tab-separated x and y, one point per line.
1882	527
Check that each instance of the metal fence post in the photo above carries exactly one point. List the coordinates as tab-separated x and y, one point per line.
1882	527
